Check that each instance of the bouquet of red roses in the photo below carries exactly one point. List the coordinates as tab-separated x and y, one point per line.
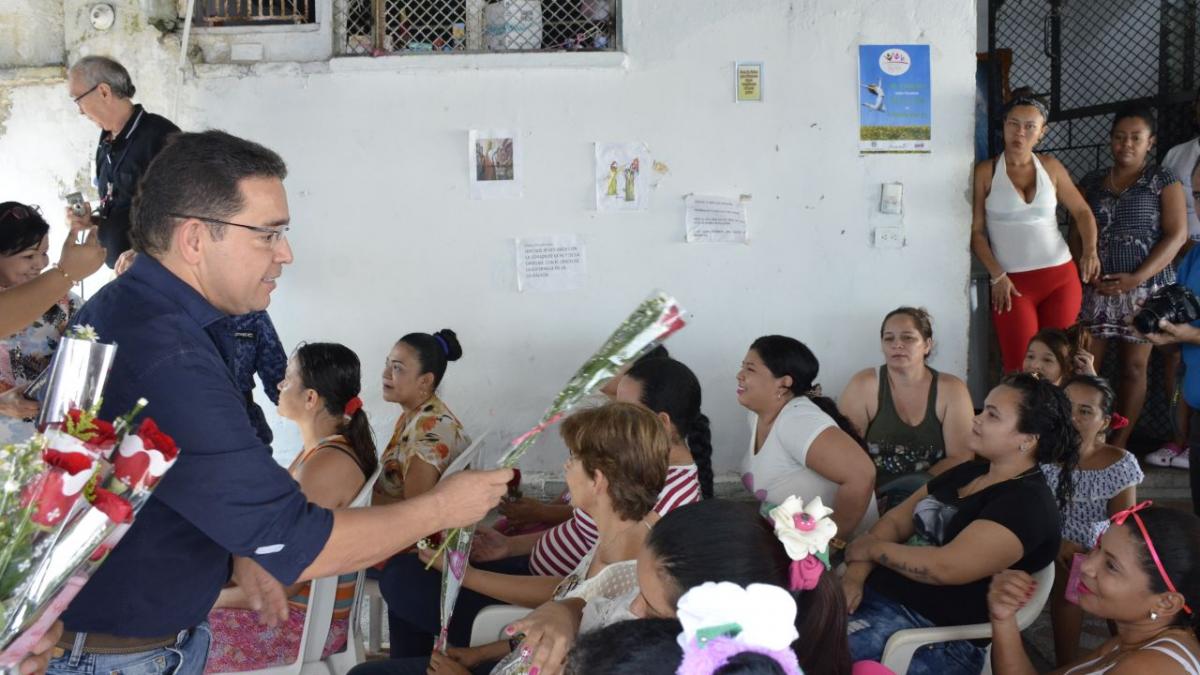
66	499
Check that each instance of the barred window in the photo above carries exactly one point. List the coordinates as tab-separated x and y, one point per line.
378	27
254	12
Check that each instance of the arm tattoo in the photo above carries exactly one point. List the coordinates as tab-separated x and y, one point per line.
914	572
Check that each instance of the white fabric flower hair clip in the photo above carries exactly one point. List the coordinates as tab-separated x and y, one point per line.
805	532
722	620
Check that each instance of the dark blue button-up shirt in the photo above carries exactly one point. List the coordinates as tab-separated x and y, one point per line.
224	495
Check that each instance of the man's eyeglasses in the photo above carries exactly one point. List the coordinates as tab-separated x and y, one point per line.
80	97
274	235
20	212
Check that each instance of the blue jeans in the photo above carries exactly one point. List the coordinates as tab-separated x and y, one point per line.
186	657
413	596
878	617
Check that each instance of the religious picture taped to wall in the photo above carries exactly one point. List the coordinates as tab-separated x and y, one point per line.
894	98
625	175
495	164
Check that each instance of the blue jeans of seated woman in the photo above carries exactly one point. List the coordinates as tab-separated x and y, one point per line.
186	657
879	617
413	596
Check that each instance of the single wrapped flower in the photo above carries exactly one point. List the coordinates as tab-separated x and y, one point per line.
118	510
143	458
804	530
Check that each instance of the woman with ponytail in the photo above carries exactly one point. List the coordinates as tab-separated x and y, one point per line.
1143	575
800	444
671	390
320	393
929	560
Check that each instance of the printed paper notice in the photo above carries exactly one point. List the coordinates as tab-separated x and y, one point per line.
721	219
749	81
894	97
555	263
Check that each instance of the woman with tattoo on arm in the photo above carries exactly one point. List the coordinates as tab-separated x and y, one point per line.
928	561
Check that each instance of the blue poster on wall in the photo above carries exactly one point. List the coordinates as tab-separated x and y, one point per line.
895	98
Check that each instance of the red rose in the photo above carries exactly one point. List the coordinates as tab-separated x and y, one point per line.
118	510
154	439
102	434
71	462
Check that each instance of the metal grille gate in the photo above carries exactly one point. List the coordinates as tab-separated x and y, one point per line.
1087	58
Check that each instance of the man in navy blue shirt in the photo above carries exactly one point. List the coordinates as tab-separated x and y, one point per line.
210	221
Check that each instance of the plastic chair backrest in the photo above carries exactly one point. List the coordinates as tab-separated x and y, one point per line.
903	644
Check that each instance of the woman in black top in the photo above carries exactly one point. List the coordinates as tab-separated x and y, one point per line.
928	561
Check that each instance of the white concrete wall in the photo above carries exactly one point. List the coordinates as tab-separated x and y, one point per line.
31	33
387	240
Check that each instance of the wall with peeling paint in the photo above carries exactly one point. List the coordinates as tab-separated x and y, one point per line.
388	241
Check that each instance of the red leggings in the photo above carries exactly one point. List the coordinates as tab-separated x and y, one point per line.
1050	298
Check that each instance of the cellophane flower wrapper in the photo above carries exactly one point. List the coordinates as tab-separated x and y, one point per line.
658	317
56	563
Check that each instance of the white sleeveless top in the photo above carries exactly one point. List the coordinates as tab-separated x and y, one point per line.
1178	653
1024	236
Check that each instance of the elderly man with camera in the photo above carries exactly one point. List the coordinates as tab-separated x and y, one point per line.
1172	316
129	138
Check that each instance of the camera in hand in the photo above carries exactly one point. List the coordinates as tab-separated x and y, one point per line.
1173	304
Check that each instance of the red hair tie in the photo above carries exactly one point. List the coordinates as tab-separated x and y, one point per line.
352	406
1118	422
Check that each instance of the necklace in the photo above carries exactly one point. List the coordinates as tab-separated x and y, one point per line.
1111	181
969	488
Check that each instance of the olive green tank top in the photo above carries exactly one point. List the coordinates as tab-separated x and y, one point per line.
898	448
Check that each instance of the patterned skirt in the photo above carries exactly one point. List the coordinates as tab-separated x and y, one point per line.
1107	316
240	642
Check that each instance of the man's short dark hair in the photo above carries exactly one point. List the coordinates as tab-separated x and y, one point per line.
196	174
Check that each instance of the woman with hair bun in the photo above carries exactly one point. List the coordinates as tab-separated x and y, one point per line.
427	436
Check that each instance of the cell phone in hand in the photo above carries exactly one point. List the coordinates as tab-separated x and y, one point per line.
76	202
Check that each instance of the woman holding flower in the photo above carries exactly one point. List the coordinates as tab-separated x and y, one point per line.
928	561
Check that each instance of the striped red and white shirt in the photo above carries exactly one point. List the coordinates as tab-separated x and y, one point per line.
558	552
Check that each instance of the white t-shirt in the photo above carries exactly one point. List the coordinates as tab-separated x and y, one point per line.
779	470
1181	160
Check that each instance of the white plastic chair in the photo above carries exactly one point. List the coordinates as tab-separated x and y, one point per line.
491	621
352	654
898	653
321	599
370	587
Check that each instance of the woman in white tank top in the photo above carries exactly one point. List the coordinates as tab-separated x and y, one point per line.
1014	233
1143	575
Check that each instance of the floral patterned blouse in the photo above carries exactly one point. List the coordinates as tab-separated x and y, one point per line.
24	355
432	435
